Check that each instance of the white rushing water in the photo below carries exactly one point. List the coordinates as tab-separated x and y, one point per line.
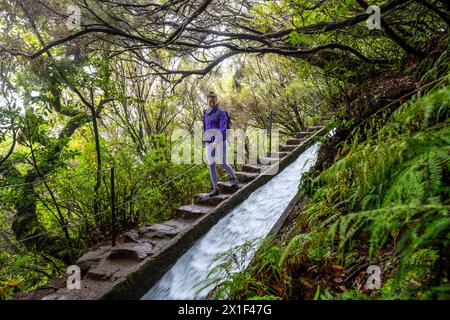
251	219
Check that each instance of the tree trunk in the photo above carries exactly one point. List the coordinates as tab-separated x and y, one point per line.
99	166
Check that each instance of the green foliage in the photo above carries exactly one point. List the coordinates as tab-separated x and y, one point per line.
144	194
393	187
389	193
23	271
225	271
389	190
230	277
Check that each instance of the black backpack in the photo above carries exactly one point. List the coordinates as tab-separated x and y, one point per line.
218	118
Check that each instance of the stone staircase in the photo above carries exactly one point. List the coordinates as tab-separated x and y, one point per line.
141	256
203	204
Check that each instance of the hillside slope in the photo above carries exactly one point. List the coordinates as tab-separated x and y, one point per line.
379	198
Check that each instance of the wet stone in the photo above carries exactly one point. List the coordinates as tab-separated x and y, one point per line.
131	236
302	135
131	251
156	235
160	230
55	297
206	200
192	211
178	223
255	168
103	271
246	176
313	128
279	154
227	187
267	160
286	148
293	141
91	258
167	230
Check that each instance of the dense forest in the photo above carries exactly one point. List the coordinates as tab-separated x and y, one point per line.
87	86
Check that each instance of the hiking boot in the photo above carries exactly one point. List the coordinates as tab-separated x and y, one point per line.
234	181
214	192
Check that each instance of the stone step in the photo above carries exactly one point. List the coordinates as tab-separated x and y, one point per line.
206	200
246	176
313	128
192	211
180	224
103	271
255	168
168	229
92	258
279	154
267	160
130	251
293	141
302	135
286	148
227	188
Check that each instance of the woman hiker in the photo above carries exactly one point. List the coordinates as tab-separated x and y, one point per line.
216	121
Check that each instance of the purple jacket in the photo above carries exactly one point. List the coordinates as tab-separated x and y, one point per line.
210	121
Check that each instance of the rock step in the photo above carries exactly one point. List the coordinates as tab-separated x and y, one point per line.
286	148
130	251
279	154
206	200
313	128
267	160
192	211
163	230
302	135
256	168
180	224
103	271
227	188
246	176
293	141
91	258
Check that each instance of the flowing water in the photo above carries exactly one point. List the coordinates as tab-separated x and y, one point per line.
250	220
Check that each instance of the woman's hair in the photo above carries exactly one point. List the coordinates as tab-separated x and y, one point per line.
212	94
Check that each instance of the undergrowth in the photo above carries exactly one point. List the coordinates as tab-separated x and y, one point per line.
385	203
